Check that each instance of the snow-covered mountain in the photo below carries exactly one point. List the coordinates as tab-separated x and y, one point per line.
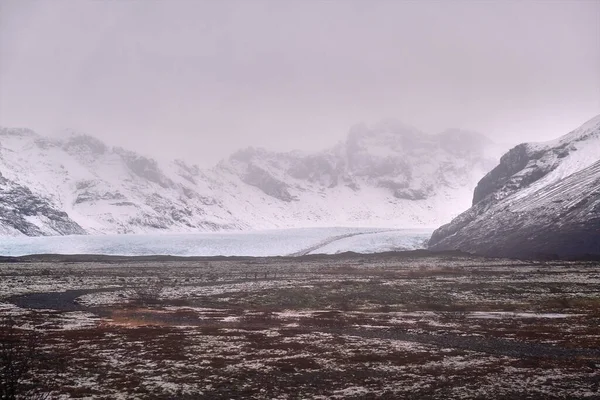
542	199
387	175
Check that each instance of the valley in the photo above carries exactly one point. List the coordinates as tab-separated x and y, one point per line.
390	325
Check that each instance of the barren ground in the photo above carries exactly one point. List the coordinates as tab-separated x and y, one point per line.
397	326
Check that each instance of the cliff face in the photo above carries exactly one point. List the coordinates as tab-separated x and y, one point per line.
510	164
542	199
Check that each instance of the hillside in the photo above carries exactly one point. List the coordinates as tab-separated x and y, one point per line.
543	199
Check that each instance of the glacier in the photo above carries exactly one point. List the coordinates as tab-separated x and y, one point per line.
263	243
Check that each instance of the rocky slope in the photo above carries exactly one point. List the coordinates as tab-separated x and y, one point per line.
541	200
384	175
22	211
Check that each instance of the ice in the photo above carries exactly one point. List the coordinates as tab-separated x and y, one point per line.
279	242
410	239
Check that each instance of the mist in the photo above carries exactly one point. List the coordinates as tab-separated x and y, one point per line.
199	79
176	247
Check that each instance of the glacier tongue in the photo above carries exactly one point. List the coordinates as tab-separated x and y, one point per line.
281	242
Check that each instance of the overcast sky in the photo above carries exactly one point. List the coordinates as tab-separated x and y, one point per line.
198	79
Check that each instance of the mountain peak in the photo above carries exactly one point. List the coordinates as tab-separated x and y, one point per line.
21	132
541	199
589	130
82	141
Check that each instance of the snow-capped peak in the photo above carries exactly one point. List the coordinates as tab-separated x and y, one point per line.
385	175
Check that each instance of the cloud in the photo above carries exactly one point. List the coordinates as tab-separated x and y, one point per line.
198	79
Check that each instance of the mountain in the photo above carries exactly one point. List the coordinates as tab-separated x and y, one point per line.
541	200
388	174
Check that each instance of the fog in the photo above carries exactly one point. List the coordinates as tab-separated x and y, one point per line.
200	79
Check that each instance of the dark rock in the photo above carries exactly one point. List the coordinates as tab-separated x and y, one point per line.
145	168
17	203
271	186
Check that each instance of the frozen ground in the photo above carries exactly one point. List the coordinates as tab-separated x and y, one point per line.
395	326
279	242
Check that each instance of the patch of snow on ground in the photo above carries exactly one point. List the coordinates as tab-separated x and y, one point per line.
103	298
507	314
78	320
7	309
350	391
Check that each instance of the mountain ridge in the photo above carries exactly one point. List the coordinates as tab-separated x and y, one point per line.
541	199
384	175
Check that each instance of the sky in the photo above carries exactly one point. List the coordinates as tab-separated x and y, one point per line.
199	79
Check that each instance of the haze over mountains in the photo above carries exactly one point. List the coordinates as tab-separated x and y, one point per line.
542	199
388	175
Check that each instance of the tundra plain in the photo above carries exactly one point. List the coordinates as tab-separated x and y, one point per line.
413	325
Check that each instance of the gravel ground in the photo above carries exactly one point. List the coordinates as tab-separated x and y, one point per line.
349	327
